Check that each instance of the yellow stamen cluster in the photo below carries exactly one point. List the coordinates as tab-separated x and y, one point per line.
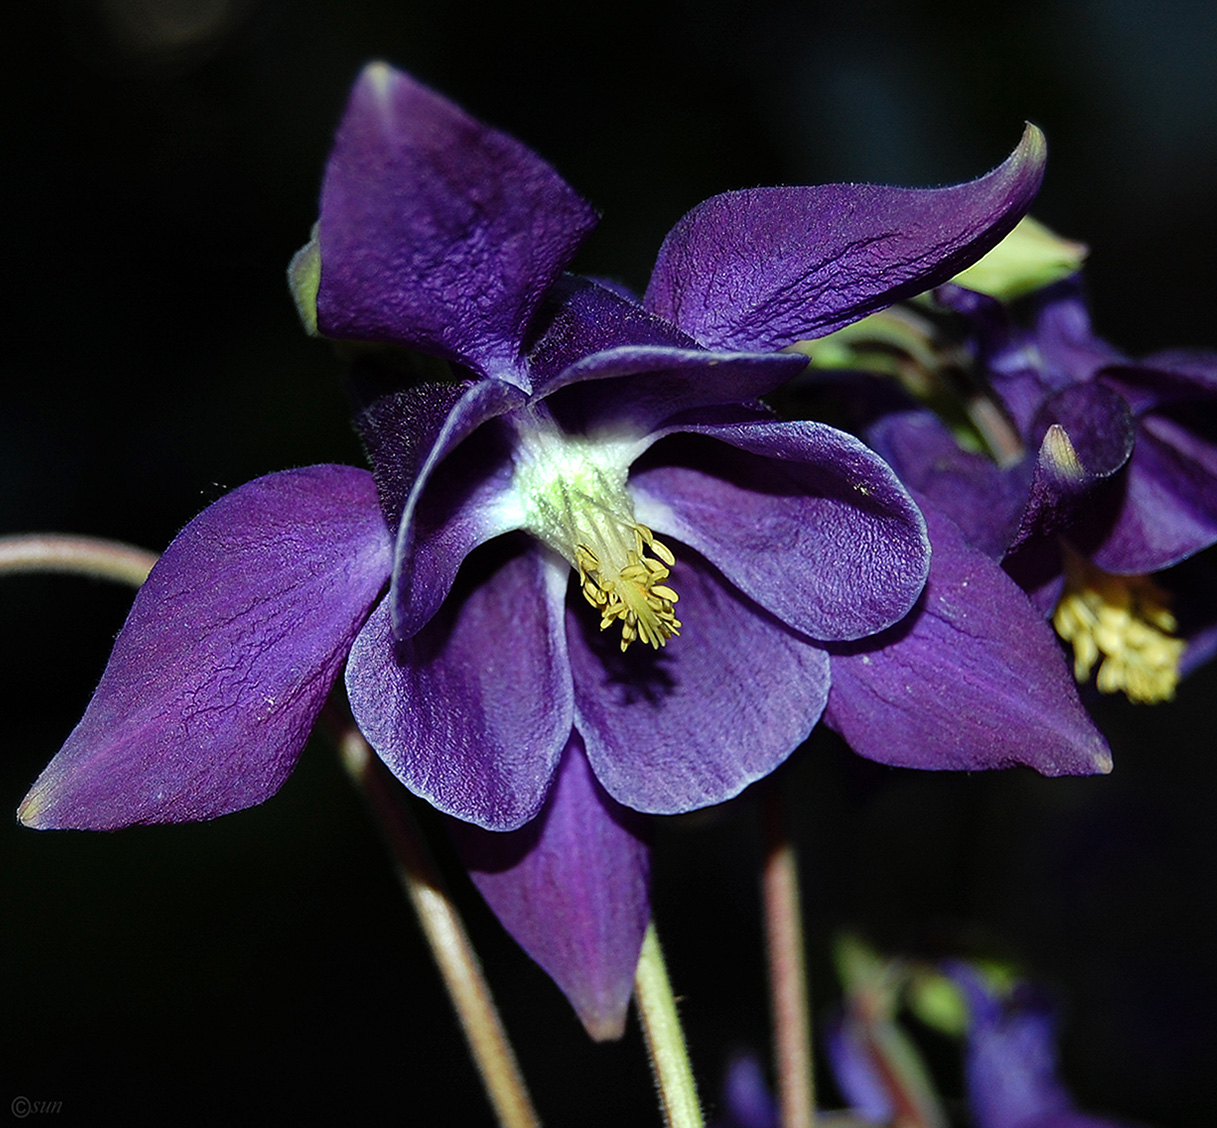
635	594
1125	625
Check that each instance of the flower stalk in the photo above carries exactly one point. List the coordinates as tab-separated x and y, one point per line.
83	556
665	1038
791	1006
445	933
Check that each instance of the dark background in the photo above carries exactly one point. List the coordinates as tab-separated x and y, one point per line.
161	164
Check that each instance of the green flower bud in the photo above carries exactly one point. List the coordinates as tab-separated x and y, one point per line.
1028	258
304	280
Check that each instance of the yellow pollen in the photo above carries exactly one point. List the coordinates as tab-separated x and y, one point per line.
1124	625
634	594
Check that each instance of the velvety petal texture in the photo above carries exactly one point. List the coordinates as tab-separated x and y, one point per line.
762	268
973	678
801	517
572	888
227	657
696	722
438	232
473	712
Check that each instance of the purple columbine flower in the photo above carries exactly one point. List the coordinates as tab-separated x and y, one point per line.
1117	479
608	566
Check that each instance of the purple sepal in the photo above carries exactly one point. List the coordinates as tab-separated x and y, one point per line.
759	269
572	887
1169	510
983	499
695	723
801	517
972	679
437	232
227	657
473	712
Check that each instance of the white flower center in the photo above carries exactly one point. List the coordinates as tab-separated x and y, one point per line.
573	492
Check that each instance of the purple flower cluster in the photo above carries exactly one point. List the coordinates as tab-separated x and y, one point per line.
616	582
1109	474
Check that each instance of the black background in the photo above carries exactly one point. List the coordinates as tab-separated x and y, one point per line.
161	164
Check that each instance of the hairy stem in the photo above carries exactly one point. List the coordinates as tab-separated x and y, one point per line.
787	970
665	1038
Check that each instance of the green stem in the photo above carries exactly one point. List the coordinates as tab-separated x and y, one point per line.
791	1000
445	933
84	556
665	1038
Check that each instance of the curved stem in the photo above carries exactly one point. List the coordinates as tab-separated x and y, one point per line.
445	933
441	924
787	970
84	556
665	1038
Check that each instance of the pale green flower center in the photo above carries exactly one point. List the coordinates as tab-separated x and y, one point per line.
574	497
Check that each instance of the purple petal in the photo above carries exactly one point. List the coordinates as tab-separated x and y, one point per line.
799	516
604	362
973	679
1011	1055
227	657
436	231
586	317
1087	437
1169	508
1065	345
473	712
759	269
442	521
696	722
983	499
572	888
640	388
398	431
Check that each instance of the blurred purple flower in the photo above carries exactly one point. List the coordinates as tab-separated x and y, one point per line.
1010	1062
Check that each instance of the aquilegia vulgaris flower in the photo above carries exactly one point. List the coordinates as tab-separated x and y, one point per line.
440	234
600	549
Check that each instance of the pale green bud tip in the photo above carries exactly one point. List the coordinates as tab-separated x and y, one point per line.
1027	259
938	1002
1058	451
304	280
